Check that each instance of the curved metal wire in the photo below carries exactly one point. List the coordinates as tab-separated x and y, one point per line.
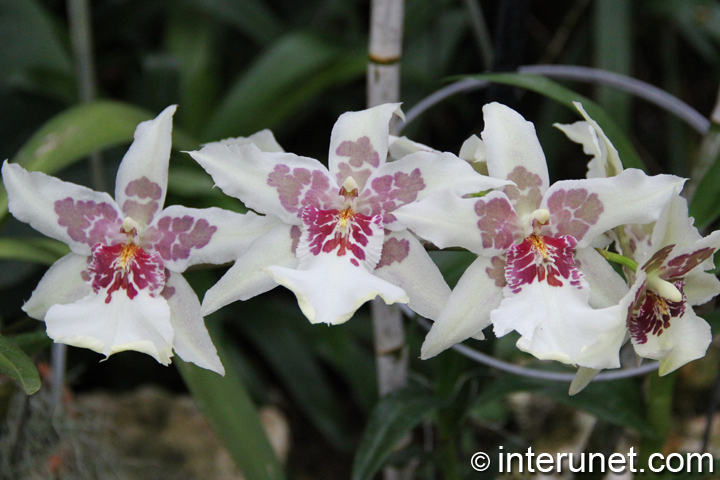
631	85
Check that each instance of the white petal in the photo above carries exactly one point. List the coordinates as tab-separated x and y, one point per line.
450	221
607	287
141	180
468	309
401	146
673	227
329	289
473	150
281	184
264	139
514	153
556	323
64	211
359	142
248	278
586	209
417	176
62	283
406	264
700	287
582	379
141	324
189	236
686	340
192	340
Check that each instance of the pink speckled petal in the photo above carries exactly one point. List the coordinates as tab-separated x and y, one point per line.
189	236
67	212
406	264
417	176
142	177
468	309
586	209
514	153
275	183
192	341
248	278
486	226
359	143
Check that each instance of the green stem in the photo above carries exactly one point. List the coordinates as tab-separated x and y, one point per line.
617	258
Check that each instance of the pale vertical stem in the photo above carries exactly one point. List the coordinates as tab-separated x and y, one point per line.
81	38
383	86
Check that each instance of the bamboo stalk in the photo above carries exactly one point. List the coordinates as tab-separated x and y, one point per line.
383	86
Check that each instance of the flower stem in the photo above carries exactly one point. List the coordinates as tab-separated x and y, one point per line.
617	258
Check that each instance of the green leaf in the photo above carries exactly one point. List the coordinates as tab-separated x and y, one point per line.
228	407
45	251
294	70
31	342
618	402
80	130
392	419
565	96
28	40
251	17
15	364
705	203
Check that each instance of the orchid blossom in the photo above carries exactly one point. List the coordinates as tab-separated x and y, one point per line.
535	272
668	259
121	286
340	243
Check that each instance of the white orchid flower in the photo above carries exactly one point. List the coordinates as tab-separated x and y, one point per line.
121	287
535	272
340	244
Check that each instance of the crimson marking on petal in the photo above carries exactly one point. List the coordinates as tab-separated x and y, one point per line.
295	234
498	223
543	259
174	237
657	259
526	196
87	221
300	188
682	264
390	192
343	231
394	250
497	271
573	211
652	314
127	267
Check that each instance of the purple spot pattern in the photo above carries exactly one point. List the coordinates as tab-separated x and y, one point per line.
526	196
295	234
652	314
681	265
573	211
394	250
496	271
390	192
174	237
498	223
88	222
167	292
362	155
658	259
149	193
543	259
300	188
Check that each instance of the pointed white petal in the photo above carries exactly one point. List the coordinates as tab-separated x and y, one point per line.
673	227
141	324
607	287
514	153
67	212
192	340
467	313
415	177
582	379
486	226
359	142
141	180
700	287
406	264
189	236
401	146
586	209
281	184
248	278
62	283
264	139
329	289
